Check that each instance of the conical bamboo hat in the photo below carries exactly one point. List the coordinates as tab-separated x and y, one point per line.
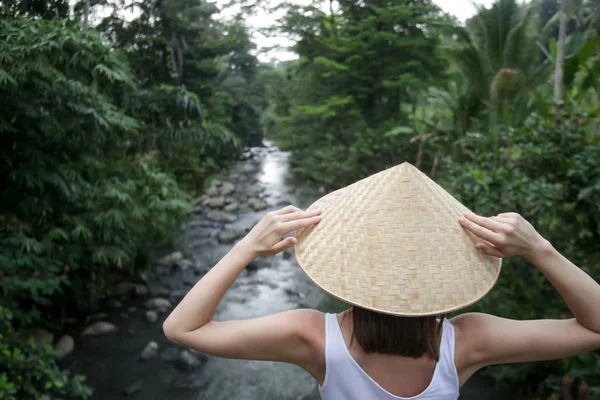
392	243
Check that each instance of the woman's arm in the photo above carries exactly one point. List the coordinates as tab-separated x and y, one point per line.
279	337
499	340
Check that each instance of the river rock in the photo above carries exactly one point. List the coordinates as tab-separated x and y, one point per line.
247	168
96	317
171	258
161	310
232	206
227	188
220	216
99	328
260	262
170	354
64	346
185	263
128	288
151	316
177	295
156	303
227	235
42	337
133	388
216	202
257	204
212	191
187	361
150	351
132	309
114	304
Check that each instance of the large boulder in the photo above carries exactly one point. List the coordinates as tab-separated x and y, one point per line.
99	328
150	351
64	346
157	303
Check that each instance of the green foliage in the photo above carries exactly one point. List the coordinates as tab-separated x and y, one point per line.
28	371
75	203
549	172
356	68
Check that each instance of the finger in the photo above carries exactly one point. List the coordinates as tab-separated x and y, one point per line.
502	220
488	249
283	245
301	223
286	210
299	215
488	223
479	230
508	215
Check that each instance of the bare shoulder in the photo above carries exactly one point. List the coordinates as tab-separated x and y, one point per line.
310	325
466	328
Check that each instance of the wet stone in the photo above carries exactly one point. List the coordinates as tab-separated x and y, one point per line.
133	388
212	191
178	295
227	236
232	206
64	346
151	316
188	361
156	303
220	216
227	188
170	354
171	258
99	328
114	304
150	351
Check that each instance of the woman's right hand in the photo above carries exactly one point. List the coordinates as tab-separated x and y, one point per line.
504	235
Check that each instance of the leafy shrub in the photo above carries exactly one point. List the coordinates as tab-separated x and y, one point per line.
76	203
549	171
28	371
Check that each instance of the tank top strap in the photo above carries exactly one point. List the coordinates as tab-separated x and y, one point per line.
446	365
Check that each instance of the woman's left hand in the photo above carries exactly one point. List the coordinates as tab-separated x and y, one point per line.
267	237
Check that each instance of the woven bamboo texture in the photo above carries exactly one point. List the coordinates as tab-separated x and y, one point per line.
392	243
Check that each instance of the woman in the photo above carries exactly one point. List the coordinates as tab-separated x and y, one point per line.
362	354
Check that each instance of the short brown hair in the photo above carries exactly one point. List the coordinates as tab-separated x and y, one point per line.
389	334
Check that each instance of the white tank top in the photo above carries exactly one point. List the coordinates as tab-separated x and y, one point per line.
346	380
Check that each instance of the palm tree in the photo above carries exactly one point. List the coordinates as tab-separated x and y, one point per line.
497	52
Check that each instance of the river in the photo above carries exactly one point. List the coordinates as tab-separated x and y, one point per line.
111	362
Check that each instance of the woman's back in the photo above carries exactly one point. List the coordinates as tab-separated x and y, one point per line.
351	374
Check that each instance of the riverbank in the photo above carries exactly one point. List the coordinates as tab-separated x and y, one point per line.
137	361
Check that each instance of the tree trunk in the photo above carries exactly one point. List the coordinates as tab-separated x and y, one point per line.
560	52
86	12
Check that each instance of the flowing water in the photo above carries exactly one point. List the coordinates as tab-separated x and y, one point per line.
111	362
